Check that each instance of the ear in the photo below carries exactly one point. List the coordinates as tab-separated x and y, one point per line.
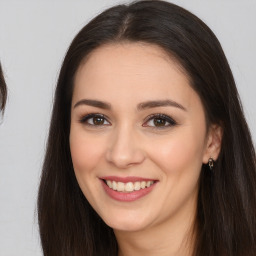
213	143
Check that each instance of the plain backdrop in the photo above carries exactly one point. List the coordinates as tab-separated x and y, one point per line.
34	36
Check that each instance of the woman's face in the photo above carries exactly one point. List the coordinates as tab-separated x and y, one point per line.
138	136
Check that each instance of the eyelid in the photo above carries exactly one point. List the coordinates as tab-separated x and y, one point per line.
86	117
169	119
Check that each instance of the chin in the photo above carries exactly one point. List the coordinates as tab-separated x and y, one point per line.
131	224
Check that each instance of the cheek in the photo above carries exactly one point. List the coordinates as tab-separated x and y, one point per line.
181	153
85	151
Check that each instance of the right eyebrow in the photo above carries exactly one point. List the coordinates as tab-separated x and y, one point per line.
160	103
93	103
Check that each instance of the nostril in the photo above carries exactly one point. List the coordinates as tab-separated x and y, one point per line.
124	158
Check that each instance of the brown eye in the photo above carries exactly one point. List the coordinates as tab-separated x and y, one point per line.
95	120
159	122
98	120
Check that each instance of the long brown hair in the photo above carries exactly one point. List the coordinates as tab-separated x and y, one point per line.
3	90
226	212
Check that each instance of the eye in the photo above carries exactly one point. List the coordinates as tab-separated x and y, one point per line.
94	120
159	121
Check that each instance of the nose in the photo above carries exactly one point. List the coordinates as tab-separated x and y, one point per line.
125	149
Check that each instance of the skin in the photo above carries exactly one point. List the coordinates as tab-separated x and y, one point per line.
128	143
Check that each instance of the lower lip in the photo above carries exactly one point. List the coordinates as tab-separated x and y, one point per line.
127	196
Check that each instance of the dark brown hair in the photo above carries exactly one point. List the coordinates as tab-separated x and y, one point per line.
3	90
226	212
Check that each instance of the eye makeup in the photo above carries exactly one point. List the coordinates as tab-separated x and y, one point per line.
156	121
159	121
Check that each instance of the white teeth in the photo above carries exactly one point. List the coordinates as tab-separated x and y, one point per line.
137	185
149	183
129	186
114	185
120	186
109	183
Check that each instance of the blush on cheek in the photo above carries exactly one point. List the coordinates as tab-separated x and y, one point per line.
181	152
84	155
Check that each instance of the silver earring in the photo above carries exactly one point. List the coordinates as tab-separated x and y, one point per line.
211	163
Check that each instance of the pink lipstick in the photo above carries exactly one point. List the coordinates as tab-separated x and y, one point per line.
127	189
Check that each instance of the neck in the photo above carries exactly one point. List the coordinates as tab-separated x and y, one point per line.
173	237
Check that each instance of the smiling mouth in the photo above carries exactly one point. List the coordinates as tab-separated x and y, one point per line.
128	187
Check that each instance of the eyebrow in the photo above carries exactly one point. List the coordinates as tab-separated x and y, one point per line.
93	103
160	103
141	106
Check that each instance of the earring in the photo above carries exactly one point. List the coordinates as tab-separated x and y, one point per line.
211	163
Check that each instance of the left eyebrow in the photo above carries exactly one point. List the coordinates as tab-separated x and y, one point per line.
93	103
160	103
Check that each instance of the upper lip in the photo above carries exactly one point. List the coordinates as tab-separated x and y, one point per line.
126	179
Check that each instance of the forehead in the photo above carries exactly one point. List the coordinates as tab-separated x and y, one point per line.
136	70
128	53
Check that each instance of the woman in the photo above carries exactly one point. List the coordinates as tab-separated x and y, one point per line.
3	90
149	152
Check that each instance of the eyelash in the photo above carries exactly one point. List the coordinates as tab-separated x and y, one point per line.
84	119
171	122
162	117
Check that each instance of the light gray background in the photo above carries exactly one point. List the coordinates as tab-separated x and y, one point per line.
34	36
